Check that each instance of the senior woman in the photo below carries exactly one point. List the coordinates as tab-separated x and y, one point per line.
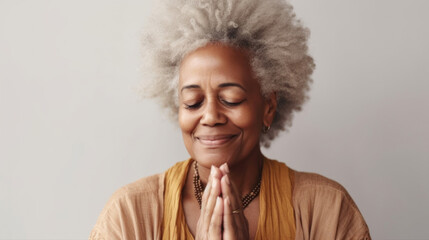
232	72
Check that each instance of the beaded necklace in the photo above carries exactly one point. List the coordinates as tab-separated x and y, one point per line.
199	189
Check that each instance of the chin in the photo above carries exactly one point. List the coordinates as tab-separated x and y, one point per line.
208	158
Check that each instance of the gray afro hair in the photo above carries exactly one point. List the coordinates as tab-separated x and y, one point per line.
267	29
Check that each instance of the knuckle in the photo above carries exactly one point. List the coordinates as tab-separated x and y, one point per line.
212	225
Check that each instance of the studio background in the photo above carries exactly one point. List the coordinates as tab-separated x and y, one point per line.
73	128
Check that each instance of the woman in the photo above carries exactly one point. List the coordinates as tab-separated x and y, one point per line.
233	72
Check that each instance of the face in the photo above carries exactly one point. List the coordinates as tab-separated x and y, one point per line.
221	108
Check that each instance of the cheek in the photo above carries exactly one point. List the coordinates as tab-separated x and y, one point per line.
186	128
187	122
249	119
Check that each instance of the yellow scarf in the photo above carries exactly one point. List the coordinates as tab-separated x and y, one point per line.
276	216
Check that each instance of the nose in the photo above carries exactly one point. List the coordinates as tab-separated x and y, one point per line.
213	114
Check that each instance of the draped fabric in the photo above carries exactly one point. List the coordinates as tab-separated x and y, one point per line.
174	223
276	215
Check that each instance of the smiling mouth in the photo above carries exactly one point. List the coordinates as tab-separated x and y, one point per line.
214	141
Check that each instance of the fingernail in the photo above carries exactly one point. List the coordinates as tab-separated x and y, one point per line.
226	168
227	180
212	170
227	201
218	199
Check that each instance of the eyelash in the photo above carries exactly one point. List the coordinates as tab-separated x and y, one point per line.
229	104
193	106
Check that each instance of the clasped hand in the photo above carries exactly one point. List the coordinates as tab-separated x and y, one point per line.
222	215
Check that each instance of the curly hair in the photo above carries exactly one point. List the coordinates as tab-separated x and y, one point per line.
268	30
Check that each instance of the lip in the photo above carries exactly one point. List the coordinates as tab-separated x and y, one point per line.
215	140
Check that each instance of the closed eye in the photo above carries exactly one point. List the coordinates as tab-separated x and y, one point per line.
232	104
193	106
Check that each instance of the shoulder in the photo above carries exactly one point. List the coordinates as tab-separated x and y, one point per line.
147	190
309	184
324	208
133	205
317	192
151	185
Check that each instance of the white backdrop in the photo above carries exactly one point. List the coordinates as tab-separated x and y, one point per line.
73	130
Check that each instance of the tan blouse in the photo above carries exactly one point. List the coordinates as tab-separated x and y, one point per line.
323	210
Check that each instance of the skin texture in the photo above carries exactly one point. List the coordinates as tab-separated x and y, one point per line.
221	114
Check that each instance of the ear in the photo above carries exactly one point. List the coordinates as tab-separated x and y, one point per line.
270	109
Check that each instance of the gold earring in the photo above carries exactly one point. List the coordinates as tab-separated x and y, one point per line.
266	128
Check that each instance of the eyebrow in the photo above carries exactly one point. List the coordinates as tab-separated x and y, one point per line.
222	85
189	87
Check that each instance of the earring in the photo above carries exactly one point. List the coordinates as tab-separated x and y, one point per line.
266	128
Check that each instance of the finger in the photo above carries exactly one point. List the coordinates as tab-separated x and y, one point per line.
229	191
213	173
224	168
204	199
215	230
206	193
228	222
211	202
217	173
232	229
228	188
202	224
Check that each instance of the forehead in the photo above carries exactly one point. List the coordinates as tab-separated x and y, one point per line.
216	63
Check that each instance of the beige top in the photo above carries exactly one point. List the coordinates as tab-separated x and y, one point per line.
323	210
